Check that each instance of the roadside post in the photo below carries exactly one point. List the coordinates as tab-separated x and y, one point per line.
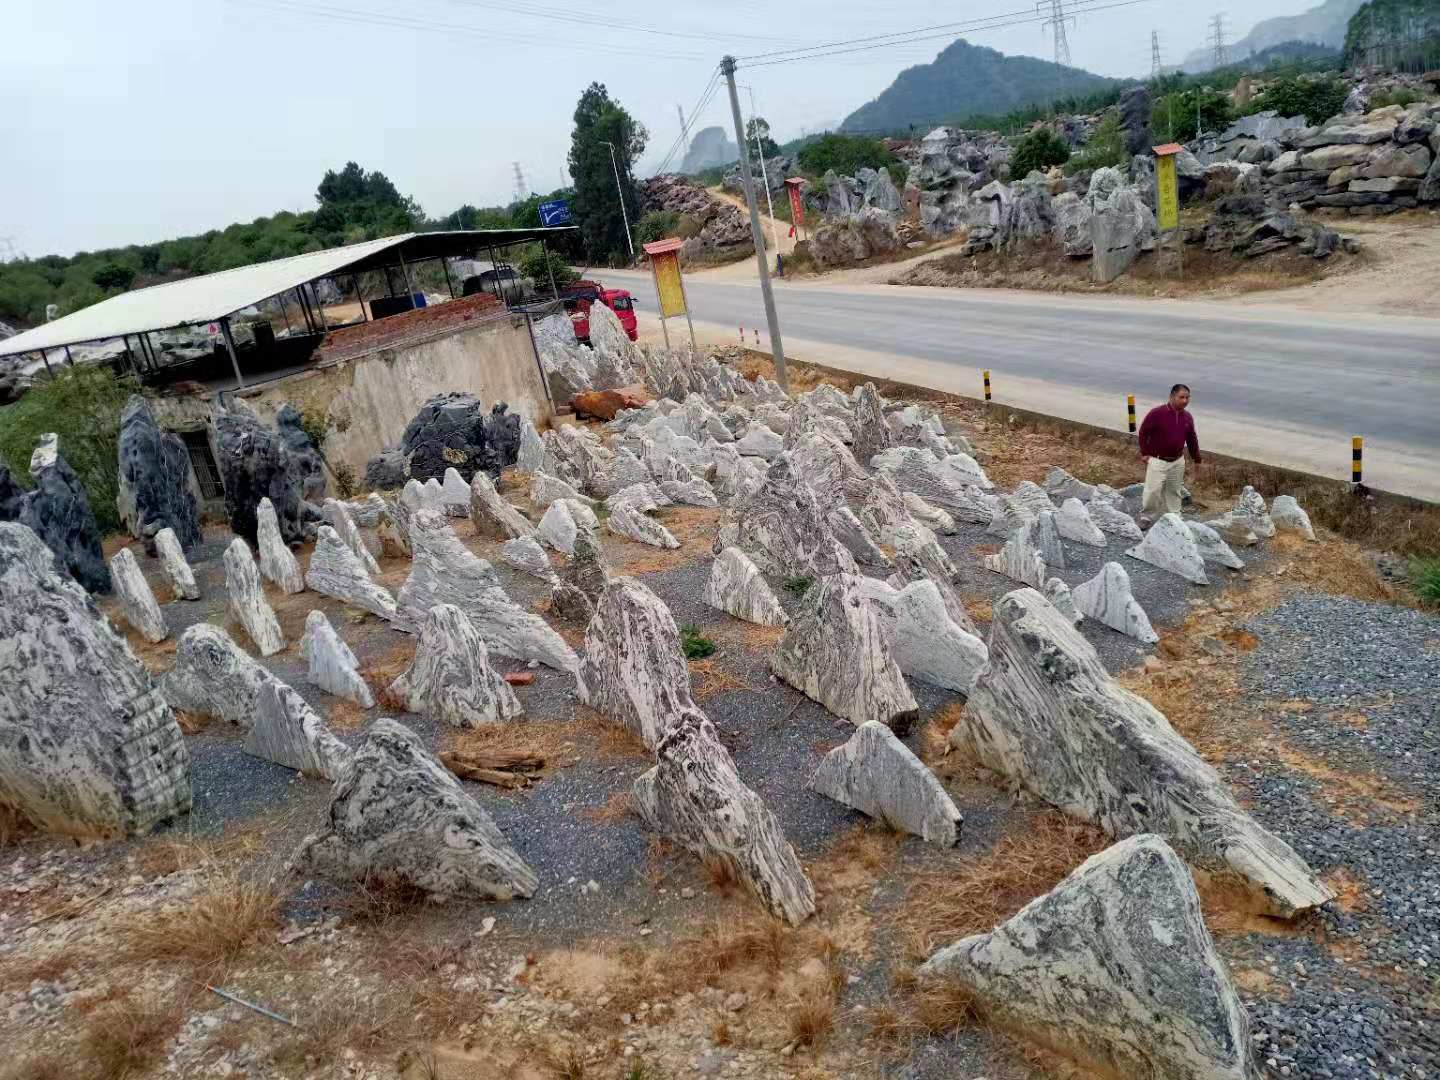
1167	200
1357	448
1130	411
669	285
797	207
987	385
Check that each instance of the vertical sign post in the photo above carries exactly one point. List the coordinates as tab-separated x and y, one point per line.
797	205
1167	199
669	285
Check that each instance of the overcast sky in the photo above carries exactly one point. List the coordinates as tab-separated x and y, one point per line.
135	122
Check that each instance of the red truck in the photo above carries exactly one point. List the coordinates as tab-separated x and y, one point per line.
578	298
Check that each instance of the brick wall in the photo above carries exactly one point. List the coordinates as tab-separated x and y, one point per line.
402	329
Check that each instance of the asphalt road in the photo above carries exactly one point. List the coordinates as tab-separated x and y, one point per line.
1273	384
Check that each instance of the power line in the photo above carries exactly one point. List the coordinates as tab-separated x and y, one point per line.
695	110
590	19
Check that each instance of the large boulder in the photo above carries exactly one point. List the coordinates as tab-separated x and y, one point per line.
306	461
1046	713
736	587
1135	119
784	529
695	797
1072	224
154	480
1113	967
457	430
88	747
397	817
57	510
335	570
878	775
255	464
451	677
1121	225
212	676
331	665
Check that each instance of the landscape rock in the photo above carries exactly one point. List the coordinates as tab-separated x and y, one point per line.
455	494
451	678
558	527
386	470
1171	546
919	557
246	599
627	518
338	518
836	652
736	587
288	732
1250	509
57	510
953	483
1107	599
1019	559
695	797
492	516
88	747
137	602
457	430
1286	513
154	478
526	555
277	562
336	571
332	666
255	464
212	676
876	773
1073	522
1058	593
872	433
531	455
398	817
1060	484
1110	518
1115	968
932	517
546	489
1046	536
783	528
1047	714
757	440
307	464
1211	547
172	562
928	644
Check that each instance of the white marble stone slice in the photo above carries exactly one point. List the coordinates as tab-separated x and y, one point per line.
564	518
876	773
1288	514
931	646
212	676
1212	548
451	678
1019	559
736	587
332	666
492	516
1075	523
339	519
1059	595
545	489
1046	536
288	732
278	564
1061	485
336	571
137	602
177	570
1107	599
247	603
525	554
455	493
1109	518
1170	546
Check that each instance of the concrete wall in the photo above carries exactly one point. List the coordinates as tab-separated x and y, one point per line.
368	399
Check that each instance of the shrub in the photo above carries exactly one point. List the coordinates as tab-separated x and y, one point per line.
1040	149
656	225
82	406
1315	99
695	645
1172	119
537	265
1105	148
798	586
1425	573
846	154
1401	95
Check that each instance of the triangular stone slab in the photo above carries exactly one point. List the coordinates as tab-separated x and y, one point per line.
1109	518
1107	599
1170	546
930	645
525	554
175	566
212	676
492	516
558	527
336	571
451	678
339	519
137	602
1074	523
1250	506
332	666
736	587
288	732
247	603
1019	560
278	564
1212	546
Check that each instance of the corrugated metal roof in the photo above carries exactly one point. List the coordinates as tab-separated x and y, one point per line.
213	296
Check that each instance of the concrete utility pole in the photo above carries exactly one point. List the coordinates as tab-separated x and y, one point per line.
520	191
764	174
620	192
1156	67
777	349
684	131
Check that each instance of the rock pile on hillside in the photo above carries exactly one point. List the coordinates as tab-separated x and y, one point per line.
712	224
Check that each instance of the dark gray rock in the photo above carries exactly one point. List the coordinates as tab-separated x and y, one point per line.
386	470
455	431
1135	119
255	464
155	478
59	513
306	462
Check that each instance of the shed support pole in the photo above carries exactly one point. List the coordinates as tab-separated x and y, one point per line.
409	285
360	296
450	281
554	290
46	359
230	348
319	308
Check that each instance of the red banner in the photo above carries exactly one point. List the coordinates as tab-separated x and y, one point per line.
797	208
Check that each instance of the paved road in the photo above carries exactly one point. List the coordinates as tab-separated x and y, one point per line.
1270	383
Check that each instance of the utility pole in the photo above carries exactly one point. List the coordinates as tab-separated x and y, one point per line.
1057	21
624	215
777	349
520	192
764	174
1156	67
684	131
1217	39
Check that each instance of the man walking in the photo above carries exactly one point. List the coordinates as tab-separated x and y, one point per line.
1166	433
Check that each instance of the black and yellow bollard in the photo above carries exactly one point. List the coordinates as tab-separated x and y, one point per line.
1130	411
1357	446
987	386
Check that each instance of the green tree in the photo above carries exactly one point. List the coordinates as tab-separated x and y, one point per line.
1315	99
596	203
113	275
846	154
1173	117
656	225
759	127
1040	149
1104	149
538	265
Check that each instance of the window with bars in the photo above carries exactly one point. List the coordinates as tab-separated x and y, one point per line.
202	463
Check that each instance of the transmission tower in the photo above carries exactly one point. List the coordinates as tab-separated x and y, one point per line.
1057	20
684	131
1156	67
521	192
1217	40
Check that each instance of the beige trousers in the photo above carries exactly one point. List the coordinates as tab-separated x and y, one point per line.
1162	486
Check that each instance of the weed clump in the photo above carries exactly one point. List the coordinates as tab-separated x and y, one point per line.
694	644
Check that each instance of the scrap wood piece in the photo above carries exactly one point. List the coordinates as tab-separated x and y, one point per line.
502	768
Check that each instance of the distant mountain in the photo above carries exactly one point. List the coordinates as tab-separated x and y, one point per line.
1323	25
708	147
969	80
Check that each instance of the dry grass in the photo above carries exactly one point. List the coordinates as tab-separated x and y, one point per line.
191	723
619	806
557	743
953	901
384	670
13	826
207	931
346	715
918	1010
693	526
714	679
124	1036
811	1020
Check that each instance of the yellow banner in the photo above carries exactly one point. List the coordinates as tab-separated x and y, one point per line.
1167	195
667	283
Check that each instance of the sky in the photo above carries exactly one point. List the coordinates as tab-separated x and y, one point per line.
137	122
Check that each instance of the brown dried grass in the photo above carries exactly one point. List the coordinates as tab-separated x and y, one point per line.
206	931
714	679
557	743
346	715
383	670
811	1020
619	806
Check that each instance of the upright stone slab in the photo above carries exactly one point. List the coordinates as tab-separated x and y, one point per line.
1250	507
558	527
455	493
58	511
736	587
836	652
255	464
919	557
154	480
397	817
531	456
212	676
1046	536
945	483
1061	485
1047	714
1073	522
1115	968
278	564
1107	599
492	516
336	571
628	516
525	554
178	574
695	797
339	519
631	667
451	677
288	732
1170	545
1109	518
855	539
1019	559
87	746
1058	593
1287	514
546	489
1234	529
878	775
784	529
445	571
872	433
332	666
1212	547
247	603
930	645
137	602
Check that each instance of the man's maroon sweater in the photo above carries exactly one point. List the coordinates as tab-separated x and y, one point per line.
1166	432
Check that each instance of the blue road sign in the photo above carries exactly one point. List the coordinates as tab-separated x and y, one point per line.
555	212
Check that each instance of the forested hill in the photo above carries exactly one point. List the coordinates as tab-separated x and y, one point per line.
969	80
